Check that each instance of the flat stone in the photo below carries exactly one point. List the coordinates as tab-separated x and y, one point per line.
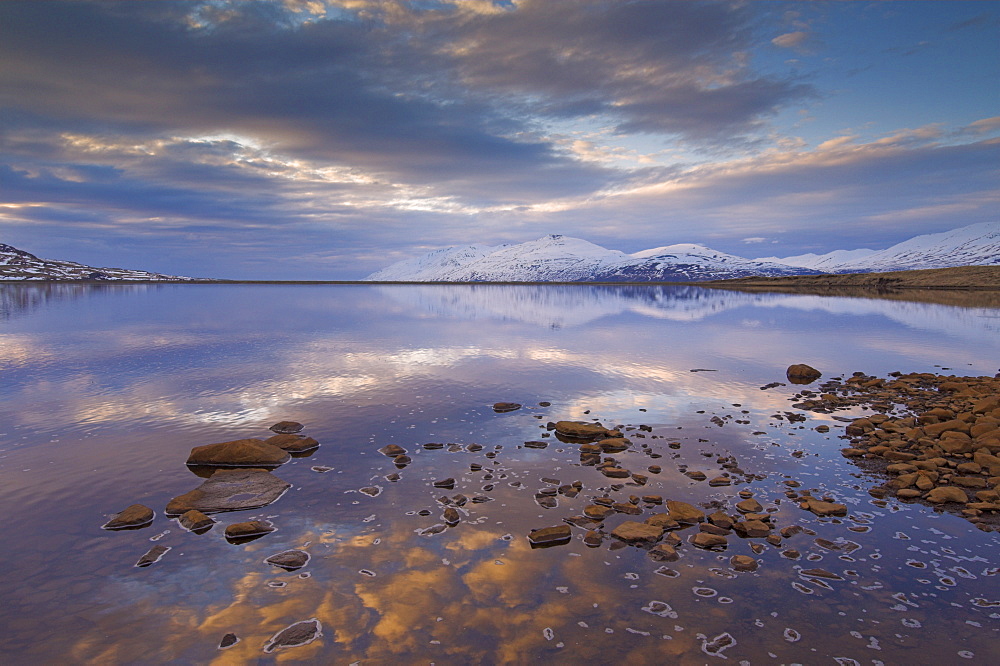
614	444
627	507
709	541
720	481
943	494
293	443
152	556
195	520
598	512
238	453
445	483
743	563
550	535
616	472
634	532
821	508
752	529
250	528
535	444
136	515
683	512
663	552
295	635
749	506
289	560
501	407
579	430
286	427
231	490
593	538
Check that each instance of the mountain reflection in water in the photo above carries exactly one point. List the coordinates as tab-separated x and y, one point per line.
106	389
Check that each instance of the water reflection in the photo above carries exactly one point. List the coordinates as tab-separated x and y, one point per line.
103	398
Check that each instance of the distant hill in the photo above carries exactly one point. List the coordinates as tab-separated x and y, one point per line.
17	264
564	259
558	258
974	245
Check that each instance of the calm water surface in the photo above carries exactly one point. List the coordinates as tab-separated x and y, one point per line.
106	389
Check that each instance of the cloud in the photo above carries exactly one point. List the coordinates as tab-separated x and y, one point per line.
791	40
755	239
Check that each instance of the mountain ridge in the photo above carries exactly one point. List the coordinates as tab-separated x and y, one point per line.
19	265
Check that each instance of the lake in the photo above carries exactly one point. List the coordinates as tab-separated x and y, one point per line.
106	389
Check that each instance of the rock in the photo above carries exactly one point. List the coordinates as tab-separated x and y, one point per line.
371	491
536	444
663	520
626	507
134	516
152	556
614	444
286	427
231	490
238	453
752	529
683	512
709	541
451	515
402	461
578	430
749	506
293	443
633	532
557	534
501	407
696	475
720	481
821	508
800	373
616	472
228	641
743	563
598	512
195	521
908	493
289	560
943	494
300	633
663	552
445	483
433	529
250	528
713	529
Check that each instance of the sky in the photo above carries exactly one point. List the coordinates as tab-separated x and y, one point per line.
326	139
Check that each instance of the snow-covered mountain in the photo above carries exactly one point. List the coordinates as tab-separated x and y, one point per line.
17	264
974	245
557	258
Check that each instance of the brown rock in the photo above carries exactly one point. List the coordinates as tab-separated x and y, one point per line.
663	552
944	494
743	563
195	520
721	519
749	506
752	529
286	427
292	443
136	515
821	508
238	453
683	512
550	535
392	450
501	407
300	633
720	481
709	541
451	515
578	430
592	539
289	560
633	532
616	472
152	556
250	528
663	520
800	373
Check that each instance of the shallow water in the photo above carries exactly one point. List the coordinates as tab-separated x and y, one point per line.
106	389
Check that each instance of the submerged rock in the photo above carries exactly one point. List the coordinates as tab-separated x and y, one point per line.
238	453
230	490
293	443
286	427
136	515
289	560
295	635
152	556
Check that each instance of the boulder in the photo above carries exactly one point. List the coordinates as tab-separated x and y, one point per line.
230	490
633	532
800	373
136	515
293	443
286	427
238	453
943	494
